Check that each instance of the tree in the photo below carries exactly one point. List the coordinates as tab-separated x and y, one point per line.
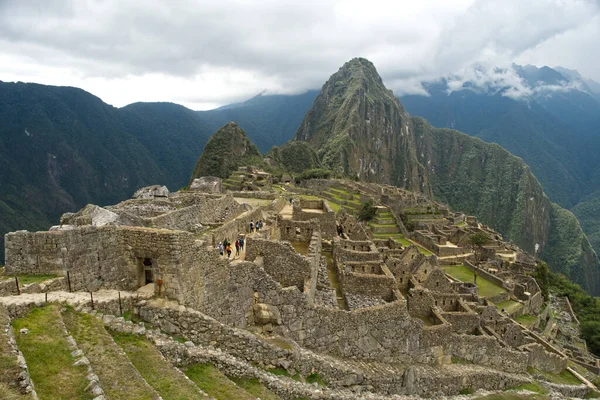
367	212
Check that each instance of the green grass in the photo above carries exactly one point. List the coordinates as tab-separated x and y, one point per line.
513	396
158	372
334	206
9	368
564	378
255	388
120	380
310	197
315	377
48	356
458	360
526	319
463	274
532	387
27	279
283	372
214	383
509	306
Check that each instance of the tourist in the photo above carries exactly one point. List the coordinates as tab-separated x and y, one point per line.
251	226
220	247
228	250
237	247
242	243
291	201
225	243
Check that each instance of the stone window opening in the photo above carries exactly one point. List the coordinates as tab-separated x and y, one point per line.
146	270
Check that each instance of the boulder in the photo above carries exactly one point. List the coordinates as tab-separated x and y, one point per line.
90	215
207	184
266	314
151	192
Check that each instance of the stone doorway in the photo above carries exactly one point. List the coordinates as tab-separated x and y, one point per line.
145	271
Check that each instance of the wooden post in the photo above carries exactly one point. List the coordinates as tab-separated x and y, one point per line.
92	297
120	306
69	281
46	297
18	288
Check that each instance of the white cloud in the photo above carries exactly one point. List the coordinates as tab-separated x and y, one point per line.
205	53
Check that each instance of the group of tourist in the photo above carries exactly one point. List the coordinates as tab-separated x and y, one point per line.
225	247
258	225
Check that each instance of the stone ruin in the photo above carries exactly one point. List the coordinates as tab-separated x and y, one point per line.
354	296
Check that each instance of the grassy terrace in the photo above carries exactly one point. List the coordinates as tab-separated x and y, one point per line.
510	306
9	368
27	279
526	319
255	388
464	274
215	384
158	372
48	356
119	379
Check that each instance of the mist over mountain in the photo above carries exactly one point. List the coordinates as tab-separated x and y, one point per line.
550	117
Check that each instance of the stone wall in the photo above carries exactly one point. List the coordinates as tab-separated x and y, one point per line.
485	274
326	219
240	224
8	287
106	257
280	261
380	285
540	359
297	231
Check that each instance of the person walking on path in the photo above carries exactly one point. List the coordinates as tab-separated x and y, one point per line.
220	247
237	247
226	243
228	250
251	226
242	243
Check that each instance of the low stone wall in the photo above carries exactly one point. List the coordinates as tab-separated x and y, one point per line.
342	255
240	224
280	261
540	359
297	231
8	287
326	219
193	218
369	284
485	274
254	195
485	350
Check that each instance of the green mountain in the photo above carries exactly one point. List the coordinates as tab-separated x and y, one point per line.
555	129
226	150
62	148
360	129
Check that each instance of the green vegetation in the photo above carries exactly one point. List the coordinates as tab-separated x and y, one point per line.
214	383
27	279
532	387
109	363
464	274
510	306
564	378
526	319
295	157
283	372
225	151
479	239
46	340
317	173
152	366
513	396
458	360
9	368
315	377
466	391
367	212
255	388
586	307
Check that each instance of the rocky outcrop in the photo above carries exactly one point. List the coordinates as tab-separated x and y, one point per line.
151	192
207	184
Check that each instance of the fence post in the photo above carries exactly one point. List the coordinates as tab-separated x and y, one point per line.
120	306
17	283
92	298
69	281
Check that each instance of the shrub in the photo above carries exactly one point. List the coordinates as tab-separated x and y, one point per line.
367	212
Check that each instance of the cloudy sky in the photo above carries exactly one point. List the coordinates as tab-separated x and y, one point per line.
205	53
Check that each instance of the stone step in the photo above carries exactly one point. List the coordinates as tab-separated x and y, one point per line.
384	228
118	377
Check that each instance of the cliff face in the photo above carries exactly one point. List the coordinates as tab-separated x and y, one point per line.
359	128
226	150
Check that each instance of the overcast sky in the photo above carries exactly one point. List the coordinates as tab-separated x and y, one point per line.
206	53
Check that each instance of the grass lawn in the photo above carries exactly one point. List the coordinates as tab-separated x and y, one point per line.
464	274
119	379
27	279
334	206
215	384
510	306
310	197
564	378
158	372
255	388
48	356
526	319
